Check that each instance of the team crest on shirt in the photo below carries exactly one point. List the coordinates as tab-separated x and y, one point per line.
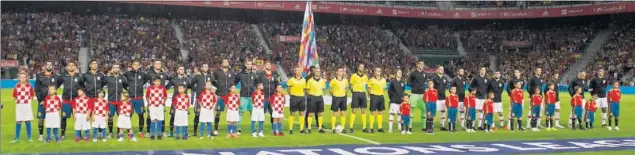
75	79
52	79
39	114
603	81
119	80
500	85
98	78
485	80
159	76
229	75
140	77
209	79
443	80
63	114
252	77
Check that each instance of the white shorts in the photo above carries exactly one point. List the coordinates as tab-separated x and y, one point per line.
601	103
207	115
52	120
394	108
124	122
479	104
157	113
258	114
441	105
498	107
82	122
100	122
461	106
23	112
277	114
180	118
558	105
232	115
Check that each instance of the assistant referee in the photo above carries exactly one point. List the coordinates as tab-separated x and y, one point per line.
296	86
358	87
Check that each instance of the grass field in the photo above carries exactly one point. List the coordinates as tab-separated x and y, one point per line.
246	141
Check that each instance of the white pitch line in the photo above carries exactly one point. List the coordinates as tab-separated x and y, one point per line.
346	135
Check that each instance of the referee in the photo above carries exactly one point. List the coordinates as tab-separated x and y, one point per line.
338	88
376	87
315	103
296	86
358	83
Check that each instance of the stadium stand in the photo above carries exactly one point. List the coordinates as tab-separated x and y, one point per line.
617	57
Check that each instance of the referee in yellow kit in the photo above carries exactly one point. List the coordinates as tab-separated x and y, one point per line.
296	86
338	88
358	87
315	87
376	87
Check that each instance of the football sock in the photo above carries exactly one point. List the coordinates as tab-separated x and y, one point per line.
333	122
309	122
603	118
380	121
390	121
253	123
56	133
141	121
217	120
363	121
63	123
18	127
372	121
352	120
291	123
343	121
320	121
40	126
110	125
260	125
196	123
48	133
28	129
301	122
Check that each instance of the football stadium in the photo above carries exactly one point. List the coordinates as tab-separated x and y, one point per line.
317	77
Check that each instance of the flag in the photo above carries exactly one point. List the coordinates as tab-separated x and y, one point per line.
308	47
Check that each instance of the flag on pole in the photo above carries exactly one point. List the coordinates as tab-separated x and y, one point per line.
308	47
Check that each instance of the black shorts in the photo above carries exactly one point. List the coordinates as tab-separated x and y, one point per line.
296	103
315	104
358	100
377	103
338	104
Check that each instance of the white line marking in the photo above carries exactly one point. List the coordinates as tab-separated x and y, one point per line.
346	135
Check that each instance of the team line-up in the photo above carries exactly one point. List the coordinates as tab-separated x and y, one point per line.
214	93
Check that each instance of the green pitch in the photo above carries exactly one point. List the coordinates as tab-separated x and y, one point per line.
245	141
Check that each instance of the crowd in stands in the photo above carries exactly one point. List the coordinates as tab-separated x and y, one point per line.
121	39
37	37
341	45
425	36
214	40
617	56
552	48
